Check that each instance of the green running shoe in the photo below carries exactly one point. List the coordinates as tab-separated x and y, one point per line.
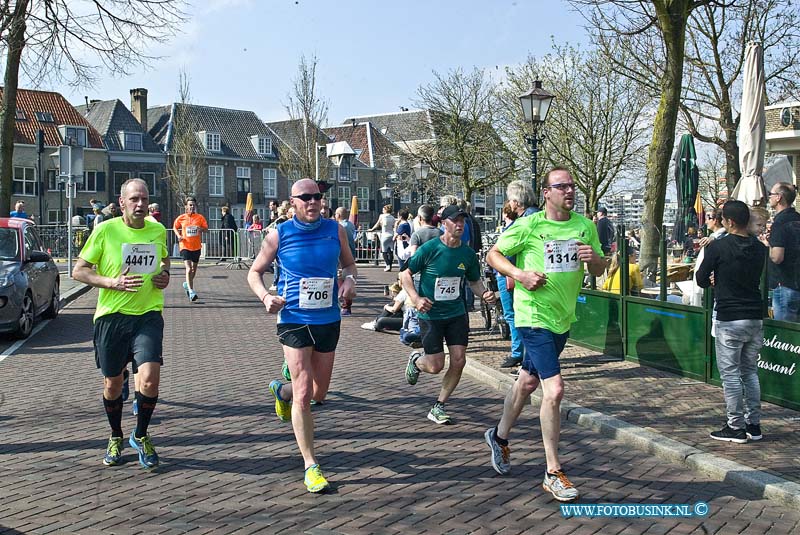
438	415
114	451
412	372
285	371
314	480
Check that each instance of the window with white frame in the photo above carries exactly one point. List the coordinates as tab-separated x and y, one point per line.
405	197
216	181
354	174
243	179
264	145
73	135
131	140
211	141
214	216
52	180
344	194
270	183
89	181
363	198
24	182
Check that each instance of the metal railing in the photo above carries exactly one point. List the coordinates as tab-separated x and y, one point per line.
55	239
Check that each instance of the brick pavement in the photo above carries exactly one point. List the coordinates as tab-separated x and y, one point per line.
676	407
229	466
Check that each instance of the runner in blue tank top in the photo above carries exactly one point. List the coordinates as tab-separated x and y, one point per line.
309	248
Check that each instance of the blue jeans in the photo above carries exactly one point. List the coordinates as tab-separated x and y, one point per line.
737	344
507	299
786	304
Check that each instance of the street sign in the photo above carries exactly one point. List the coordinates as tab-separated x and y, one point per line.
70	162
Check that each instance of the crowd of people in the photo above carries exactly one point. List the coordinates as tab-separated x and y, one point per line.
540	259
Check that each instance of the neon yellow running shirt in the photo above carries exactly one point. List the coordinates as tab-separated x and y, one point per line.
113	244
548	246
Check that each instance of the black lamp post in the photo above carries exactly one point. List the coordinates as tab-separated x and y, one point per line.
535	105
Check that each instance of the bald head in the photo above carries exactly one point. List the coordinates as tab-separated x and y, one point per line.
305	185
340	214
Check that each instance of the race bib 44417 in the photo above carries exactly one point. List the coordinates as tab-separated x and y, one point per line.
140	257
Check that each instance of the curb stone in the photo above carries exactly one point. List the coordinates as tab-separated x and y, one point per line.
766	485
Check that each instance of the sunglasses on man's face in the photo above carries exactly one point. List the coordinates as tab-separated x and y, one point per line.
563	186
306	197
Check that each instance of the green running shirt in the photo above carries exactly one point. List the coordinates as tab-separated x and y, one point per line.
536	242
143	249
442	270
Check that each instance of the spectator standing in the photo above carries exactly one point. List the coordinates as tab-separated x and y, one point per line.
736	261
19	210
229	229
784	253
605	230
386	223
522	202
402	235
350	230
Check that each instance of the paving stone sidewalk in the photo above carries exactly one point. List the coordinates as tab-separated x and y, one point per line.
229	466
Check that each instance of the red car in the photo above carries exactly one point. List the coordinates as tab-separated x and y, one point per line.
29	280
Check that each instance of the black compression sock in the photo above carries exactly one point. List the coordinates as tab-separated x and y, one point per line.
146	407
501	441
114	413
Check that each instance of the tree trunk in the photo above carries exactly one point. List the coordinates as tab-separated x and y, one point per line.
8	107
672	16
732	170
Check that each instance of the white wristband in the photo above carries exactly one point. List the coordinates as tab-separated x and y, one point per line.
352	278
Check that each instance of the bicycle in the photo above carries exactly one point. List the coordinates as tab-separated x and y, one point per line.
496	310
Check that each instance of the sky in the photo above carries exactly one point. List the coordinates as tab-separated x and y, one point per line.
373	55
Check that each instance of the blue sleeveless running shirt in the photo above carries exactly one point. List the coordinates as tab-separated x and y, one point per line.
308	254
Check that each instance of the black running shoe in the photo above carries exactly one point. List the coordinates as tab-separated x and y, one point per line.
510	362
753	431
728	434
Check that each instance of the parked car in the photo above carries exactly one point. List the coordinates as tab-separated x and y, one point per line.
29	281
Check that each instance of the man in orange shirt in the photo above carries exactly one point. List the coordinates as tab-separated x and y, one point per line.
189	228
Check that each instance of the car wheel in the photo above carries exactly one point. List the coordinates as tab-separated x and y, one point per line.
55	299
26	317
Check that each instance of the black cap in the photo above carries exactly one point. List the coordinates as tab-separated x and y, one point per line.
452	212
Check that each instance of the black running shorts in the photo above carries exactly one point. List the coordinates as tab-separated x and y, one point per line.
323	338
193	256
454	331
122	338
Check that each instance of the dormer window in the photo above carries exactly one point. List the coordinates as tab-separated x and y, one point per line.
20	116
211	141
73	135
262	145
131	141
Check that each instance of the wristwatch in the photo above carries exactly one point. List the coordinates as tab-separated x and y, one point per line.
165	271
352	278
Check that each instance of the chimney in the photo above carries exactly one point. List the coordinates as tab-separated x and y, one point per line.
139	106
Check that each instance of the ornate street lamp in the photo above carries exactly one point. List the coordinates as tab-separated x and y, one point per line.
421	171
535	105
